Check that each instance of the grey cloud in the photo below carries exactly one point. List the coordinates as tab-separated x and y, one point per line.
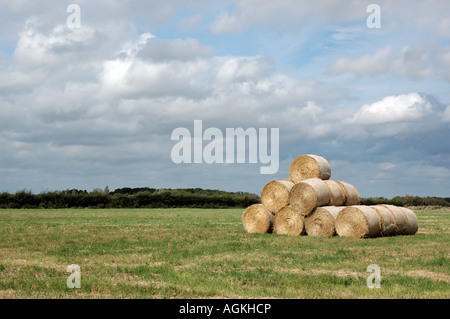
168	50
413	62
375	64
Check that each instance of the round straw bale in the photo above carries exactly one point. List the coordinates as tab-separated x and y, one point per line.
288	222
309	166
399	217
337	196
386	219
305	196
275	195
257	219
412	223
350	193
321	222
358	222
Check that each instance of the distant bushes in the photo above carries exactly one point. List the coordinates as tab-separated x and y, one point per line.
146	197
129	198
408	201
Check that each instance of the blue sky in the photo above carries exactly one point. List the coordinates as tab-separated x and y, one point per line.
95	106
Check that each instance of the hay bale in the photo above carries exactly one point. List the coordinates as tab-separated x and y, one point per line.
257	219
305	196
386	219
350	193
399	217
358	222
412	223
275	195
337	195
288	222
309	166
322	221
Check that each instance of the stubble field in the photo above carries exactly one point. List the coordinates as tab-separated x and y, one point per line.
205	253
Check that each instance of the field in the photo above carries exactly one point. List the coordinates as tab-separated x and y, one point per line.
205	253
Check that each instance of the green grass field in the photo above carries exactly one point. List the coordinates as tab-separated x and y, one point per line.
205	253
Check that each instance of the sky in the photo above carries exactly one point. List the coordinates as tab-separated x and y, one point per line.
94	104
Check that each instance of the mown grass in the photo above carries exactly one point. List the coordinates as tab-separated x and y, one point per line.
205	253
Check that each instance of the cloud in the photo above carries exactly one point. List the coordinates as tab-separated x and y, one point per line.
413	62
387	166
400	108
368	65
156	49
35	49
444	57
232	69
446	117
226	23
190	23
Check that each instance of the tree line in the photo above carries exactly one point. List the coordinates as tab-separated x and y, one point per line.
145	197
408	200
129	198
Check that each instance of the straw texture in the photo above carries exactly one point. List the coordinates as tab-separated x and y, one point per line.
321	222
399	217
358	222
387	220
412	223
275	195
257	219
350	193
309	194
337	194
309	166
288	222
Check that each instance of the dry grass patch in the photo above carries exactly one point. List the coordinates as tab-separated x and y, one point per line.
429	274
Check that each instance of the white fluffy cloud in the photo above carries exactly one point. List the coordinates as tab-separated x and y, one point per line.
35	49
400	108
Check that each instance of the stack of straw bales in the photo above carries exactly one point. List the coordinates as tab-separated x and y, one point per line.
309	203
